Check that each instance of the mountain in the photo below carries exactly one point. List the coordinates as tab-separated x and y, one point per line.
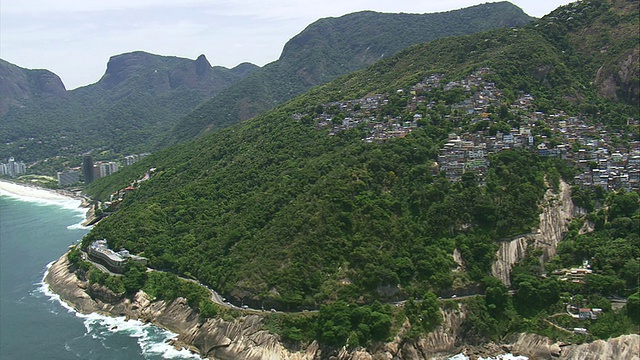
402	181
138	103
332	47
304	204
18	85
140	96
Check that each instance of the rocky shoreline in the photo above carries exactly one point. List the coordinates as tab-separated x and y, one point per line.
245	337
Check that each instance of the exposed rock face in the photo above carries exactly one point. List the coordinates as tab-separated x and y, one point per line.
18	86
535	346
444	340
124	66
623	347
510	252
619	82
161	74
557	211
244	337
540	347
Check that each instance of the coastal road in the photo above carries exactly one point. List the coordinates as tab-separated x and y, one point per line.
218	299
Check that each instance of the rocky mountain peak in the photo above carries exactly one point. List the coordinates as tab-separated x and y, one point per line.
19	85
120	67
202	65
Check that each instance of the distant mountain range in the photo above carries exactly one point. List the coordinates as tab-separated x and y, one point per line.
144	101
140	96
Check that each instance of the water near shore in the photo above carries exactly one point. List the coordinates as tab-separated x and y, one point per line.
36	227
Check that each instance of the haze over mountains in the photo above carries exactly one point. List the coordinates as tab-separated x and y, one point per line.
139	103
140	96
332	47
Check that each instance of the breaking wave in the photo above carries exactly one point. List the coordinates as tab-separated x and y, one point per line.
152	340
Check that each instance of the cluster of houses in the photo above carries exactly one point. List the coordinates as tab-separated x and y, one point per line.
583	313
574	275
117	197
603	159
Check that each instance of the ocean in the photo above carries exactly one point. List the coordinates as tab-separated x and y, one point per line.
36	228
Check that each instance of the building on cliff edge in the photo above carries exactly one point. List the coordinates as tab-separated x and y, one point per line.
114	261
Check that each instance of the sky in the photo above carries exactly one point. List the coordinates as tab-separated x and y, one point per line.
76	38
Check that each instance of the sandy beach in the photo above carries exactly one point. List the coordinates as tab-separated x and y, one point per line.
40	195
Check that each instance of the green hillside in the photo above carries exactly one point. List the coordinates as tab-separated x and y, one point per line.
351	194
332	47
286	209
140	97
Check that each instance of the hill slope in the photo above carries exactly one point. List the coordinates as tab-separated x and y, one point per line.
332	47
20	85
295	208
140	96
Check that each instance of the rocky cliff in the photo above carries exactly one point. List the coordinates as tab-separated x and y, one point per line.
245	337
18	86
557	211
540	347
242	338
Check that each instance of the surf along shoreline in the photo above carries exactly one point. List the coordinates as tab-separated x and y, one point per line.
33	193
60	282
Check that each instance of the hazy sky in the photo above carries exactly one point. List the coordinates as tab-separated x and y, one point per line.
75	38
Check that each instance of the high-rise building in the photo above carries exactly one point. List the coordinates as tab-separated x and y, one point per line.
105	169
68	177
87	169
13	168
130	159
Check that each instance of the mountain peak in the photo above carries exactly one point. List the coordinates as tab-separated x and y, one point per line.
19	85
120	67
202	65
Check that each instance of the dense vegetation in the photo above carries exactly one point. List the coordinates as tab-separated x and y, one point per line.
332	217
275	211
140	97
333	47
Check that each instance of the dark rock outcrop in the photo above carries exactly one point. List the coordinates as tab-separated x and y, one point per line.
19	86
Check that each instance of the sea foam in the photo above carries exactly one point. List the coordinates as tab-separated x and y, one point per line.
152	340
40	196
46	198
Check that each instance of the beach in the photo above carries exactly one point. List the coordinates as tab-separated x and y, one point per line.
63	198
36	227
28	192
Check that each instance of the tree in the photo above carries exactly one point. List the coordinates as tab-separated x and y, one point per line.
134	277
496	296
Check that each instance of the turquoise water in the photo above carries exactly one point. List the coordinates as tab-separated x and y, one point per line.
33	323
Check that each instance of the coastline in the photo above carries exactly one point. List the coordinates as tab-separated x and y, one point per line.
63	198
241	338
62	285
245	337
